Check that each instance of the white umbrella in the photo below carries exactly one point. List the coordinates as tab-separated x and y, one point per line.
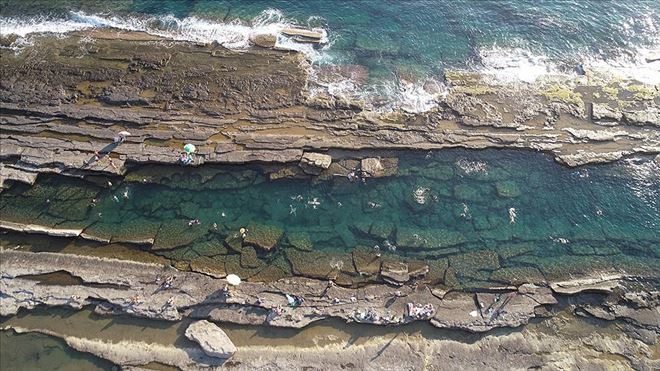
233	279
124	133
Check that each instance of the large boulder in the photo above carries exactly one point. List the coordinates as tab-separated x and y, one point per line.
648	116
379	167
314	163
264	40
213	341
394	272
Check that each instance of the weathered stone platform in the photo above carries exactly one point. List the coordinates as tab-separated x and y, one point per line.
63	99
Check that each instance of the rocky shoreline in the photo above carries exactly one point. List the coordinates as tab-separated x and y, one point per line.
63	99
154	291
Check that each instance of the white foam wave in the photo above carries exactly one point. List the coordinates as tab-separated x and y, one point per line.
414	97
507	65
22	28
643	66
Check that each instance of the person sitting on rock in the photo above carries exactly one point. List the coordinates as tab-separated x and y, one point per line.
186	158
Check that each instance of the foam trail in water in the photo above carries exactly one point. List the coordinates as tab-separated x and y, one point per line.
506	65
643	66
22	28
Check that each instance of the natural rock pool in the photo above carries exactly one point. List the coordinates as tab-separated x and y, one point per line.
475	218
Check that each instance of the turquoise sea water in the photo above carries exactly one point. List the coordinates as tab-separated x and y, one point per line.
393	40
515	209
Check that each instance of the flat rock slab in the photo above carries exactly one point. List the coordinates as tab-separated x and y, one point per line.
158	292
211	338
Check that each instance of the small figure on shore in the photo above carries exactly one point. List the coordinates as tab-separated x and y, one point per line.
186	157
294	301
120	137
194	222
277	311
167	283
225	291
243	232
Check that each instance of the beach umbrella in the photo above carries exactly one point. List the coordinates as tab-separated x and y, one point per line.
233	279
189	148
124	133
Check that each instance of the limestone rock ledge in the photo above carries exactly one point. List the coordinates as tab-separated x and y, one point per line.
61	113
162	292
129	354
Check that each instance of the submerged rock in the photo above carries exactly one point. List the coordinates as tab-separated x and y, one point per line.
211	338
300	240
428	238
264	237
507	188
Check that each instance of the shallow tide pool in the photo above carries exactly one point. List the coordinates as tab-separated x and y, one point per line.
476	217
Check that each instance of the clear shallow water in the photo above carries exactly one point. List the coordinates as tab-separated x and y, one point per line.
399	45
41	352
515	209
